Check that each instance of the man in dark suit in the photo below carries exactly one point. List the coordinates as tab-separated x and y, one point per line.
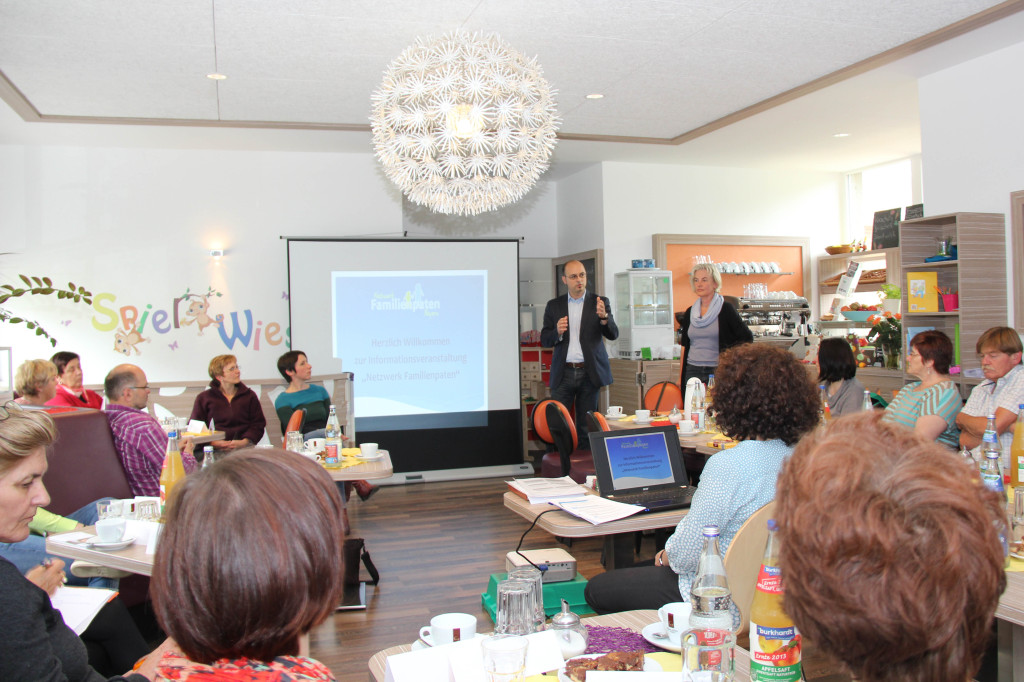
575	326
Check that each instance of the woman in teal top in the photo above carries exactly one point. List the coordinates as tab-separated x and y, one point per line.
929	406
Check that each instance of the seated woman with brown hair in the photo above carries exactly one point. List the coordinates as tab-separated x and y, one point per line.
230	406
764	398
929	406
232	612
890	551
70	392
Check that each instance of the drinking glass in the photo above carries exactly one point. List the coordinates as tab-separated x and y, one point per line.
294	442
504	658
516	609
105	509
708	655
148	510
534	577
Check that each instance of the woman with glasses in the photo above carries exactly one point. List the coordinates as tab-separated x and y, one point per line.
929	406
230	405
709	326
36	644
36	382
70	392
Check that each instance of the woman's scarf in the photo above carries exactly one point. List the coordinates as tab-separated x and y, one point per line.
710	315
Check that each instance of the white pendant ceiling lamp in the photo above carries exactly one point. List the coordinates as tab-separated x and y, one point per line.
464	124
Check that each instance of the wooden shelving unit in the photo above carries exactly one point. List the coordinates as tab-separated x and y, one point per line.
830	266
978	275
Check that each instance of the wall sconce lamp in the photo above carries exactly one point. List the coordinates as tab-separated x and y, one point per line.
216	253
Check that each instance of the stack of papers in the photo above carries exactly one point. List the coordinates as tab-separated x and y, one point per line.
542	490
79	605
598	510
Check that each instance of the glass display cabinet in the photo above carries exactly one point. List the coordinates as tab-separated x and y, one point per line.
643	313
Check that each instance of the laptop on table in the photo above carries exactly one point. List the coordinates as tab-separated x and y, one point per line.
642	466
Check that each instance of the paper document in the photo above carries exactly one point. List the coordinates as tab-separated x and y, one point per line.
539	490
79	605
598	510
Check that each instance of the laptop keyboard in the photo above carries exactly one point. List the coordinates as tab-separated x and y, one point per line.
651	497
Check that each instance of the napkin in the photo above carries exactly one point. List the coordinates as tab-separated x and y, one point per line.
463	661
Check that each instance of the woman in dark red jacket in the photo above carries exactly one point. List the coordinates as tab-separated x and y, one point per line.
230	406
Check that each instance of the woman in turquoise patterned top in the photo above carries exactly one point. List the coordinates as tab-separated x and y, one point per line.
929	406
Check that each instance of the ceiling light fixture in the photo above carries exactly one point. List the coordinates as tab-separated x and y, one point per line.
841	135
595	95
463	124
216	76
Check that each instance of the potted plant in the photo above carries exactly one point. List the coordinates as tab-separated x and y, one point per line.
891	297
887	333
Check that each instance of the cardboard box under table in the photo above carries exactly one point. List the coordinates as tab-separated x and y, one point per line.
554	593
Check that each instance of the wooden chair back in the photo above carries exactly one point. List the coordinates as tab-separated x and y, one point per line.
743	561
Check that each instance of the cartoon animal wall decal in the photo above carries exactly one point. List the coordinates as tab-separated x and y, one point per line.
198	312
126	342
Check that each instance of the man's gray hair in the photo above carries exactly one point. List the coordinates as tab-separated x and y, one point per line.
116	382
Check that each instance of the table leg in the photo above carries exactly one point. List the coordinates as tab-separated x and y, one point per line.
618	551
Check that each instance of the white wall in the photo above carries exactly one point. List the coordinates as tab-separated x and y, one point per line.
645	199
581	211
134	226
972	147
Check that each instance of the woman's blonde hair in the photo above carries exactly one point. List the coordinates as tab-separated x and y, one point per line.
218	364
22	432
712	270
32	375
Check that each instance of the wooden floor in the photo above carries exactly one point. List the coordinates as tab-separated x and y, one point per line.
435	545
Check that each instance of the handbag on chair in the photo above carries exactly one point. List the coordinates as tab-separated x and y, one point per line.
354	551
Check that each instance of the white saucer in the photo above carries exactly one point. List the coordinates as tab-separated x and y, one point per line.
650	665
615	417
379	455
637	421
661	643
120	544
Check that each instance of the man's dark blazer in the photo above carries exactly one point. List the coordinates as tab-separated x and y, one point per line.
592	333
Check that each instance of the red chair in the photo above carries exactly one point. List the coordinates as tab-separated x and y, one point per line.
553	424
663	396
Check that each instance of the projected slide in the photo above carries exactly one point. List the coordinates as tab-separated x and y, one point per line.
639	460
417	340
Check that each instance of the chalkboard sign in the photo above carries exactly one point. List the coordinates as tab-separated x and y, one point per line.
913	211
885	234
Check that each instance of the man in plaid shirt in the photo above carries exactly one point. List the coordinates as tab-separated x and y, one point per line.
140	440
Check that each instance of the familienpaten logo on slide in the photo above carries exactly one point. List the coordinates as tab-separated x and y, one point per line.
417	341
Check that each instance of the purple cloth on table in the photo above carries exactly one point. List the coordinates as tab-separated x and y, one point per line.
604	639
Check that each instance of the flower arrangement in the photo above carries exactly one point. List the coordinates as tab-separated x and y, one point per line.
887	332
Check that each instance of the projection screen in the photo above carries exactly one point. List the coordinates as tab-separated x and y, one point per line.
430	330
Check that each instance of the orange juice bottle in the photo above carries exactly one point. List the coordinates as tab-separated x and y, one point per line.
172	472
774	640
1017	450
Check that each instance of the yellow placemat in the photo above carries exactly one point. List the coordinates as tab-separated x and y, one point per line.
344	463
668	661
1016	565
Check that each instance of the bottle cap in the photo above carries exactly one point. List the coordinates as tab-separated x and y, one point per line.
711	531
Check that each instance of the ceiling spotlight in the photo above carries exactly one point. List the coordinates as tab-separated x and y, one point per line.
216	76
841	135
595	95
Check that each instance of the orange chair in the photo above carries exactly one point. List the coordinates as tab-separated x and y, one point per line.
597	422
553	424
663	396
296	421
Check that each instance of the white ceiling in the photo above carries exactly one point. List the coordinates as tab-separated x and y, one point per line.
668	69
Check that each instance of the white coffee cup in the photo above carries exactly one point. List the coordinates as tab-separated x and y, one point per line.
315	444
675	616
615	410
367	449
643	416
110	529
687	426
447	628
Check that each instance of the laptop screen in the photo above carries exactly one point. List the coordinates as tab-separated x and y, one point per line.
637	459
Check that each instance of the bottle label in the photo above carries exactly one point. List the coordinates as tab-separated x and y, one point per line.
331	453
769	580
774	653
993	481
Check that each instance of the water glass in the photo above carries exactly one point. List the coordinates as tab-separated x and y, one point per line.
504	658
148	510
534	577
294	441
708	655
108	509
516	608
